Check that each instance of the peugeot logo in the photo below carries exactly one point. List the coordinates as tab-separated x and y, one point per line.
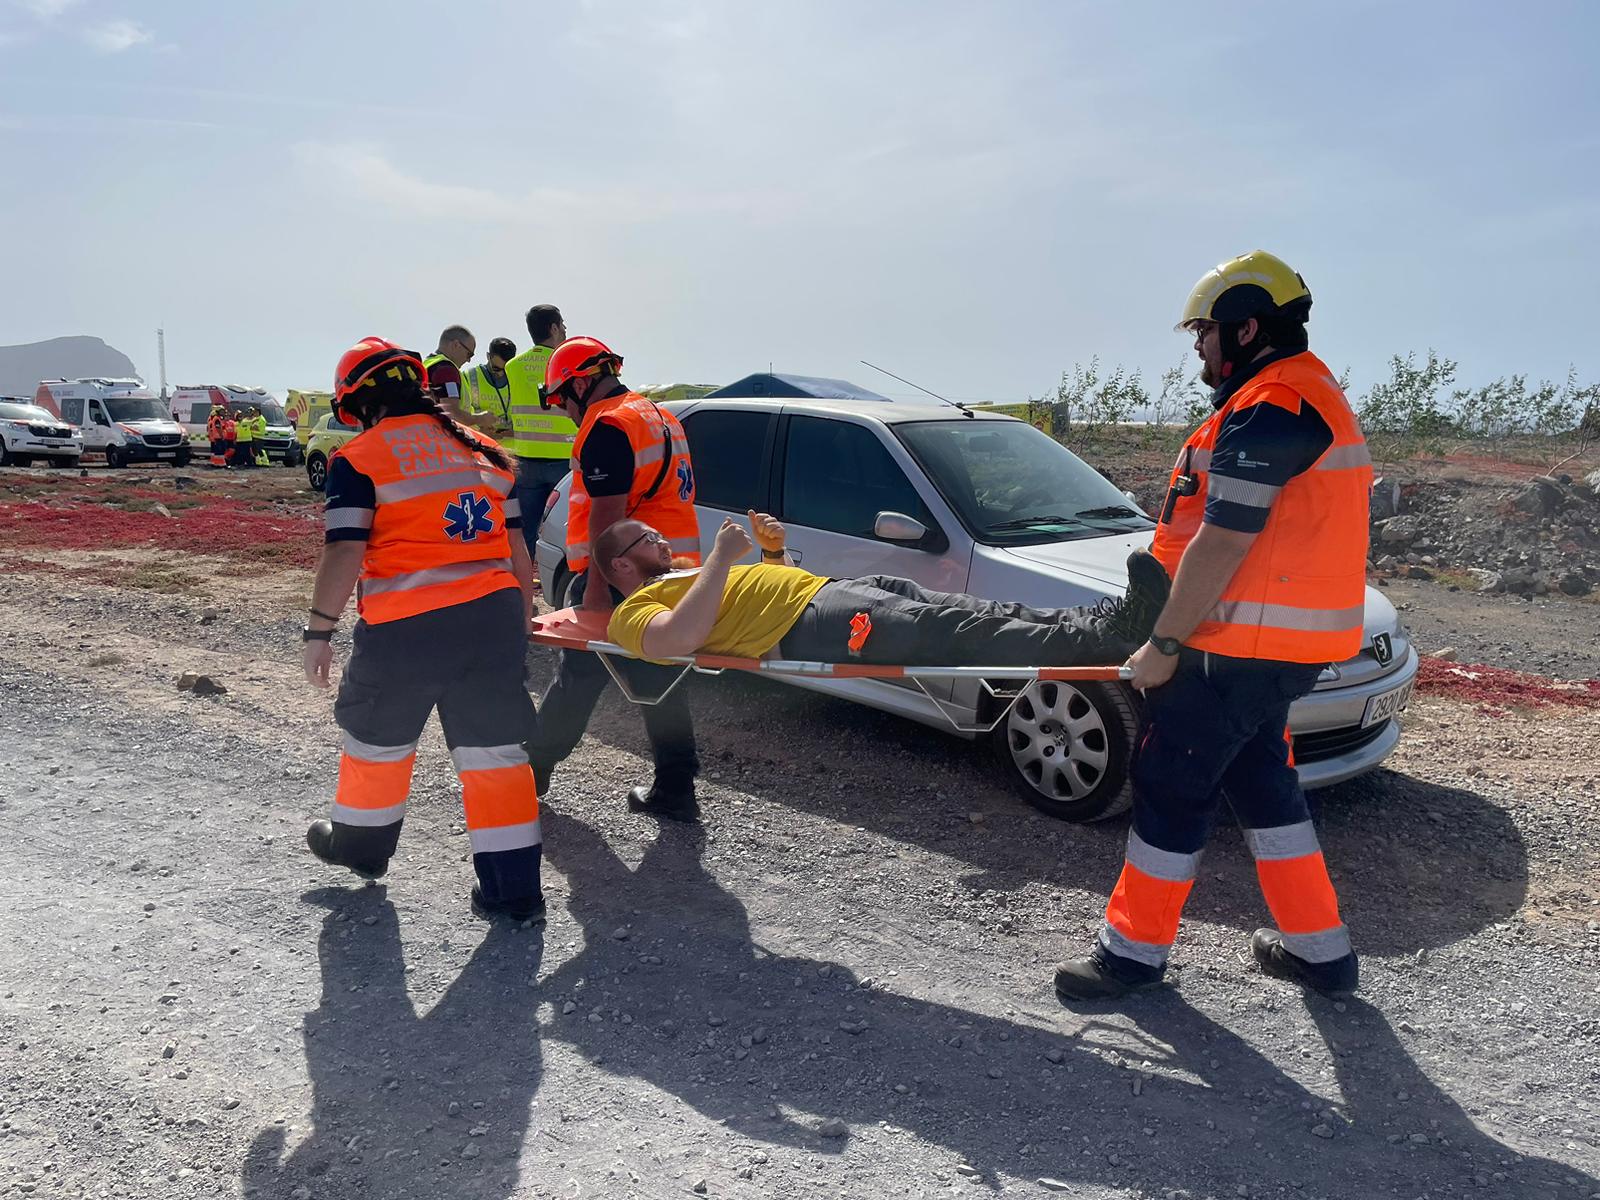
1383	649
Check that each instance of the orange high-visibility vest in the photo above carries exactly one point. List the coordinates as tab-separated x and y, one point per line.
661	493
439	529
1300	592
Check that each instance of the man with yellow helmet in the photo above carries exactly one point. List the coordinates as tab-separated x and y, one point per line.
1264	532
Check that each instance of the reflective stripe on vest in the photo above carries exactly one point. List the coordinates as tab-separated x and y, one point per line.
1300	593
670	511
536	432
438	532
477	388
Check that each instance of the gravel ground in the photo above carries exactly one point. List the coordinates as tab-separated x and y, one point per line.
838	986
1549	635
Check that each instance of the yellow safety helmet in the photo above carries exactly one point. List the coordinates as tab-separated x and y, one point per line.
1252	285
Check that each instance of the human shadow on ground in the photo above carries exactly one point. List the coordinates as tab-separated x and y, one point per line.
385	1077
670	989
1419	865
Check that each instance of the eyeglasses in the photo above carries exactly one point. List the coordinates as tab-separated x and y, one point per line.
1198	329
649	535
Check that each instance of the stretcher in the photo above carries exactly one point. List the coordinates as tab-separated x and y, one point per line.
583	630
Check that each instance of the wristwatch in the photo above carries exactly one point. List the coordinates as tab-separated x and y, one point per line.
308	634
1167	646
777	555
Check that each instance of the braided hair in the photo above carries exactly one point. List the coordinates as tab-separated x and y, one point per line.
401	394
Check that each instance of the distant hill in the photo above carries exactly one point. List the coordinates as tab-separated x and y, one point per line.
22	367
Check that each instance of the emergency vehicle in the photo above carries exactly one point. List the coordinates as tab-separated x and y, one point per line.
191	406
306	409
120	418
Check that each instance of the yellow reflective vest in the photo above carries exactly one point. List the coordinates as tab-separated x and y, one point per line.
535	432
480	395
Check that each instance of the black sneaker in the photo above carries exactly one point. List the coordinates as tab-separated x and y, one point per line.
1337	978
320	838
1131	617
525	908
668	806
1102	975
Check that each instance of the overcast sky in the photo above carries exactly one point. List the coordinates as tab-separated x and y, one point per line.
975	196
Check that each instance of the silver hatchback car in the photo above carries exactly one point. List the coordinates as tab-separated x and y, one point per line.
986	504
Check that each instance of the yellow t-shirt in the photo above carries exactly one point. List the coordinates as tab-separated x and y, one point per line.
759	605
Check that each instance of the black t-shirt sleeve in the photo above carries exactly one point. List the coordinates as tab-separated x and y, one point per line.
1258	450
607	461
444	380
351	502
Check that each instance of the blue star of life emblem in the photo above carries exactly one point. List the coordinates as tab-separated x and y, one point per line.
685	481
467	516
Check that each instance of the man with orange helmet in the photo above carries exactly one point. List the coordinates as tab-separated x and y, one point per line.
630	459
1264	532
419	512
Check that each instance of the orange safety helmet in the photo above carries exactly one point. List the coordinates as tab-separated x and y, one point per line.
576	358
359	365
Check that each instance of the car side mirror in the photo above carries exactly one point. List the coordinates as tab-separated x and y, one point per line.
897	527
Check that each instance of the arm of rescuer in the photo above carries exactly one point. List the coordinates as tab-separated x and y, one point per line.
607	463
686	627
1258	451
522	568
348	519
1208	564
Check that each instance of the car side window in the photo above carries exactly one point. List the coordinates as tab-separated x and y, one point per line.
199	412
98	414
728	450
839	477
72	412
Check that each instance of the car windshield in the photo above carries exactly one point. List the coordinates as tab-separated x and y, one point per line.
136	408
25	412
1011	484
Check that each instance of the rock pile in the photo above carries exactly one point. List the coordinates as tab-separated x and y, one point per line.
1540	537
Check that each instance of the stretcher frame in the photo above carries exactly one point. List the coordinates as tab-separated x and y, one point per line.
573	629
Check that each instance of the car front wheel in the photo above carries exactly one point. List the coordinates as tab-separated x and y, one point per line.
115	457
317	471
1066	748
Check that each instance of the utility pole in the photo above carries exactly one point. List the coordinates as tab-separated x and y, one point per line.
161	357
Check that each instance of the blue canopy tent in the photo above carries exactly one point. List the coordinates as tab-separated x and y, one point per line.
792	387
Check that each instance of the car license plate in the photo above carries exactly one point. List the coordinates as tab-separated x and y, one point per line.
1385	705
166	454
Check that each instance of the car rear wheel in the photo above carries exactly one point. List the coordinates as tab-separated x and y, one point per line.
1066	748
563	589
317	471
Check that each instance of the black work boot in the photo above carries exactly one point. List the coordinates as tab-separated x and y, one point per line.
670	806
1102	975
524	908
1129	619
321	840
1337	978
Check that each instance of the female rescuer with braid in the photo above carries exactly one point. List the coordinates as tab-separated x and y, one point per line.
418	509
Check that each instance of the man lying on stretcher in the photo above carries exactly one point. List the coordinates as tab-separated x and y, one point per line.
774	609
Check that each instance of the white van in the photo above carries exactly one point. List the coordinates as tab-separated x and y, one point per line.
120	418
191	408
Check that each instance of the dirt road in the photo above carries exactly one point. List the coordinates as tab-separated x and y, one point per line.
838	986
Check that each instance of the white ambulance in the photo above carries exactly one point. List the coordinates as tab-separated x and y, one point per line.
120	418
191	408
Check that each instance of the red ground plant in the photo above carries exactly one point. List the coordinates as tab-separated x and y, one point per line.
238	529
1496	689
